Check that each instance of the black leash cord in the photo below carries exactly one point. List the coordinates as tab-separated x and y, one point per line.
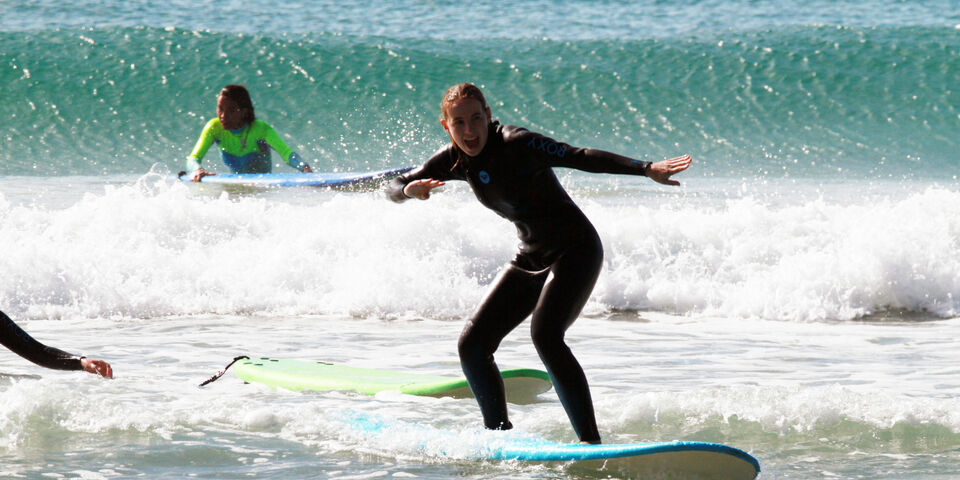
221	372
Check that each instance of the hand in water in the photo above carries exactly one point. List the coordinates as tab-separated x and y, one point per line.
98	367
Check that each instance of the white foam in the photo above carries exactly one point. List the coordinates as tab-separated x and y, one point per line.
817	260
153	249
784	410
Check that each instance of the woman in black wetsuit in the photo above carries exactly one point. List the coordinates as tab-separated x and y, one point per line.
509	170
14	338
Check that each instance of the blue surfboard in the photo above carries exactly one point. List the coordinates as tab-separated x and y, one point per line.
677	459
319	179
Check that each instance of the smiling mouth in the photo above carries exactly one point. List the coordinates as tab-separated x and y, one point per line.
472	143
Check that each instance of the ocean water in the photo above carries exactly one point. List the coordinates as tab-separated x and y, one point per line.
797	297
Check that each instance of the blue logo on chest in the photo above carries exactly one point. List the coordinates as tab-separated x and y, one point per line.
484	176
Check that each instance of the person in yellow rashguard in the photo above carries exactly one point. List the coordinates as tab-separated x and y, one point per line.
243	140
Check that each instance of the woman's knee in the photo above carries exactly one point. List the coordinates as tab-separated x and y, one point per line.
547	339
473	345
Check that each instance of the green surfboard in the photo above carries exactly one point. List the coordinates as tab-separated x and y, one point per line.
522	384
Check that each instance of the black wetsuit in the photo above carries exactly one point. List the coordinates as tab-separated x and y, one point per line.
14	338
552	275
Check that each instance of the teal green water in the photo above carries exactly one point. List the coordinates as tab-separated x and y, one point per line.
797	297
795	101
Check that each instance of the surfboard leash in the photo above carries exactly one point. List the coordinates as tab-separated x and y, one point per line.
221	372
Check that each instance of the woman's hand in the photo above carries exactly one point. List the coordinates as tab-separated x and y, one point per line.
200	173
661	171
95	366
421	188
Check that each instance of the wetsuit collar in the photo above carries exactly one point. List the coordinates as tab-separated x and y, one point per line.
245	131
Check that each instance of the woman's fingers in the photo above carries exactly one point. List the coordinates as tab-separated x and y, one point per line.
421	188
98	367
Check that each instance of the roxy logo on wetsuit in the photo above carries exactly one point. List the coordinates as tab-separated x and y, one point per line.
545	145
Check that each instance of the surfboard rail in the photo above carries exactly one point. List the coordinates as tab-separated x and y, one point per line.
522	384
676	459
315	179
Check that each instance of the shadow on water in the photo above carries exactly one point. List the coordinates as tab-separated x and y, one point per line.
622	315
890	317
899	317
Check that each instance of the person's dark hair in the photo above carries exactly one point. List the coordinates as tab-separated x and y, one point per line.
241	97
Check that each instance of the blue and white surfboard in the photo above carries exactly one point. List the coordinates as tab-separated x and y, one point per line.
319	179
678	459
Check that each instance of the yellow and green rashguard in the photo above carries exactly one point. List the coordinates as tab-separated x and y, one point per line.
244	150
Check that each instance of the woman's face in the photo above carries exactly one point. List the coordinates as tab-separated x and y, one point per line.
467	123
231	116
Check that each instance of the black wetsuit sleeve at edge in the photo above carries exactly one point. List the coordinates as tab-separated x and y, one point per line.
21	343
557	154
438	167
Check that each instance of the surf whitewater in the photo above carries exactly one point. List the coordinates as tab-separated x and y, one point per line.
796	297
